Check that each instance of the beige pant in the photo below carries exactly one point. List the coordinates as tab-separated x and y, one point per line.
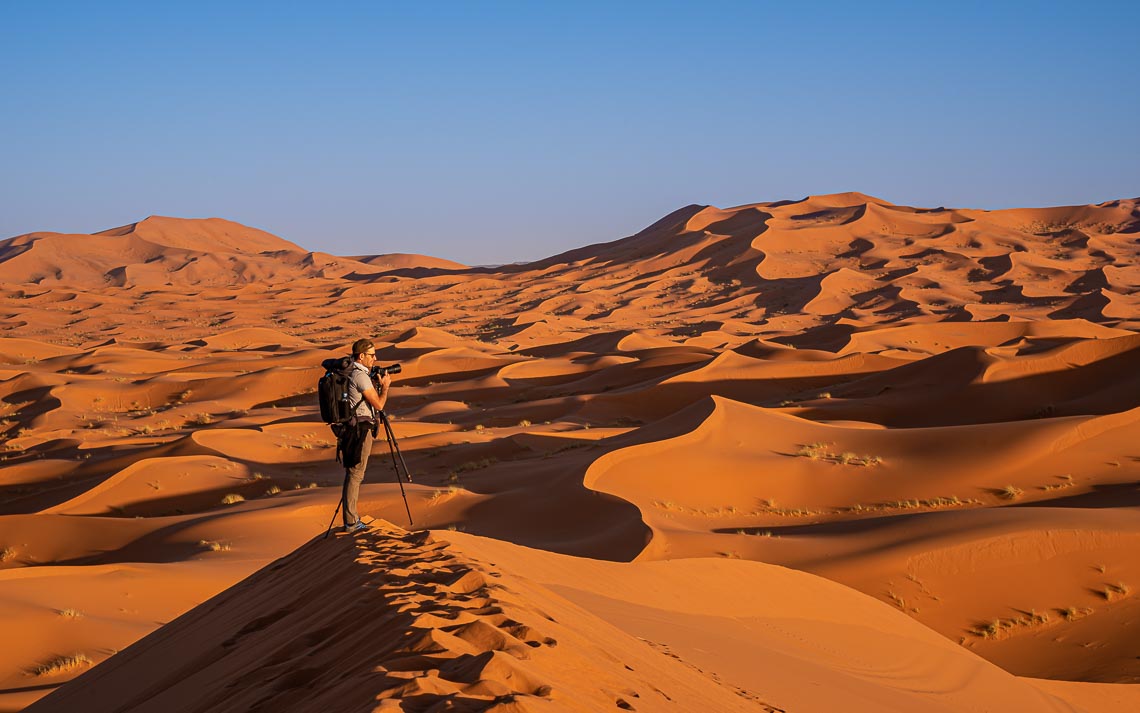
353	477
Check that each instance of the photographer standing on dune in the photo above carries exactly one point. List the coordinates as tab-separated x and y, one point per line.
357	445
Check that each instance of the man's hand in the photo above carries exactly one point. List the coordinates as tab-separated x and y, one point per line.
377	398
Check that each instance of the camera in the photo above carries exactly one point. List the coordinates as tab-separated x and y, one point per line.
377	371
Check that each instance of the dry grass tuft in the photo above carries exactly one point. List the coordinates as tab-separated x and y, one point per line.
70	613
1114	591
794	512
820	451
214	546
991	630
232	498
7	554
913	504
63	664
476	465
815	451
524	423
1010	492
445	492
1073	613
1000	628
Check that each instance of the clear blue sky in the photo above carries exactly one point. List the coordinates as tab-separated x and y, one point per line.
500	131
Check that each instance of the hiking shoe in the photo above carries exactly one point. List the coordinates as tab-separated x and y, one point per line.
355	527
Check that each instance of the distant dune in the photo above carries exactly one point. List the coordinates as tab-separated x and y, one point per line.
398	261
158	252
814	455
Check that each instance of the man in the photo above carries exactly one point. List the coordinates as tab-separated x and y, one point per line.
368	401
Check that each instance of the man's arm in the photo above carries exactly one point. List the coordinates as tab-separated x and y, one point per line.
377	399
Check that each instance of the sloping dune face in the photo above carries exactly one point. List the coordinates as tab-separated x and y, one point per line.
937	409
392	621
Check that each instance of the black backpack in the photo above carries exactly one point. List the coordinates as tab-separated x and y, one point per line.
332	392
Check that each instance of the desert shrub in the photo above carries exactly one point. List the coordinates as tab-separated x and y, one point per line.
1112	591
815	451
476	465
63	664
1010	492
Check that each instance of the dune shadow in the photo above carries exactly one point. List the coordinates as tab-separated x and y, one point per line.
931	392
1101	497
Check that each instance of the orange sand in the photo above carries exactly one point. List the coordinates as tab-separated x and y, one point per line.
829	454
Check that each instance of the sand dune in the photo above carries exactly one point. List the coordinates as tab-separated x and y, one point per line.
831	453
162	252
404	261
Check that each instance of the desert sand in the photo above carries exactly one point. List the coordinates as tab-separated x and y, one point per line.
815	455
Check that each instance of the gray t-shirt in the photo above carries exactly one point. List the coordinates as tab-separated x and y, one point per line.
357	385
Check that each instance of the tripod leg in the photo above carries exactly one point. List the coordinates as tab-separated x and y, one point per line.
394	450
338	504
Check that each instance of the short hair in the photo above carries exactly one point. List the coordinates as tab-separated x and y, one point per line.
360	346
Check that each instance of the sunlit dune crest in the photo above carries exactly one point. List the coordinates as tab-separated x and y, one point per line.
404	261
806	455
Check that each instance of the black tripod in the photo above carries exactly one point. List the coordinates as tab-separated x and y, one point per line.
397	463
